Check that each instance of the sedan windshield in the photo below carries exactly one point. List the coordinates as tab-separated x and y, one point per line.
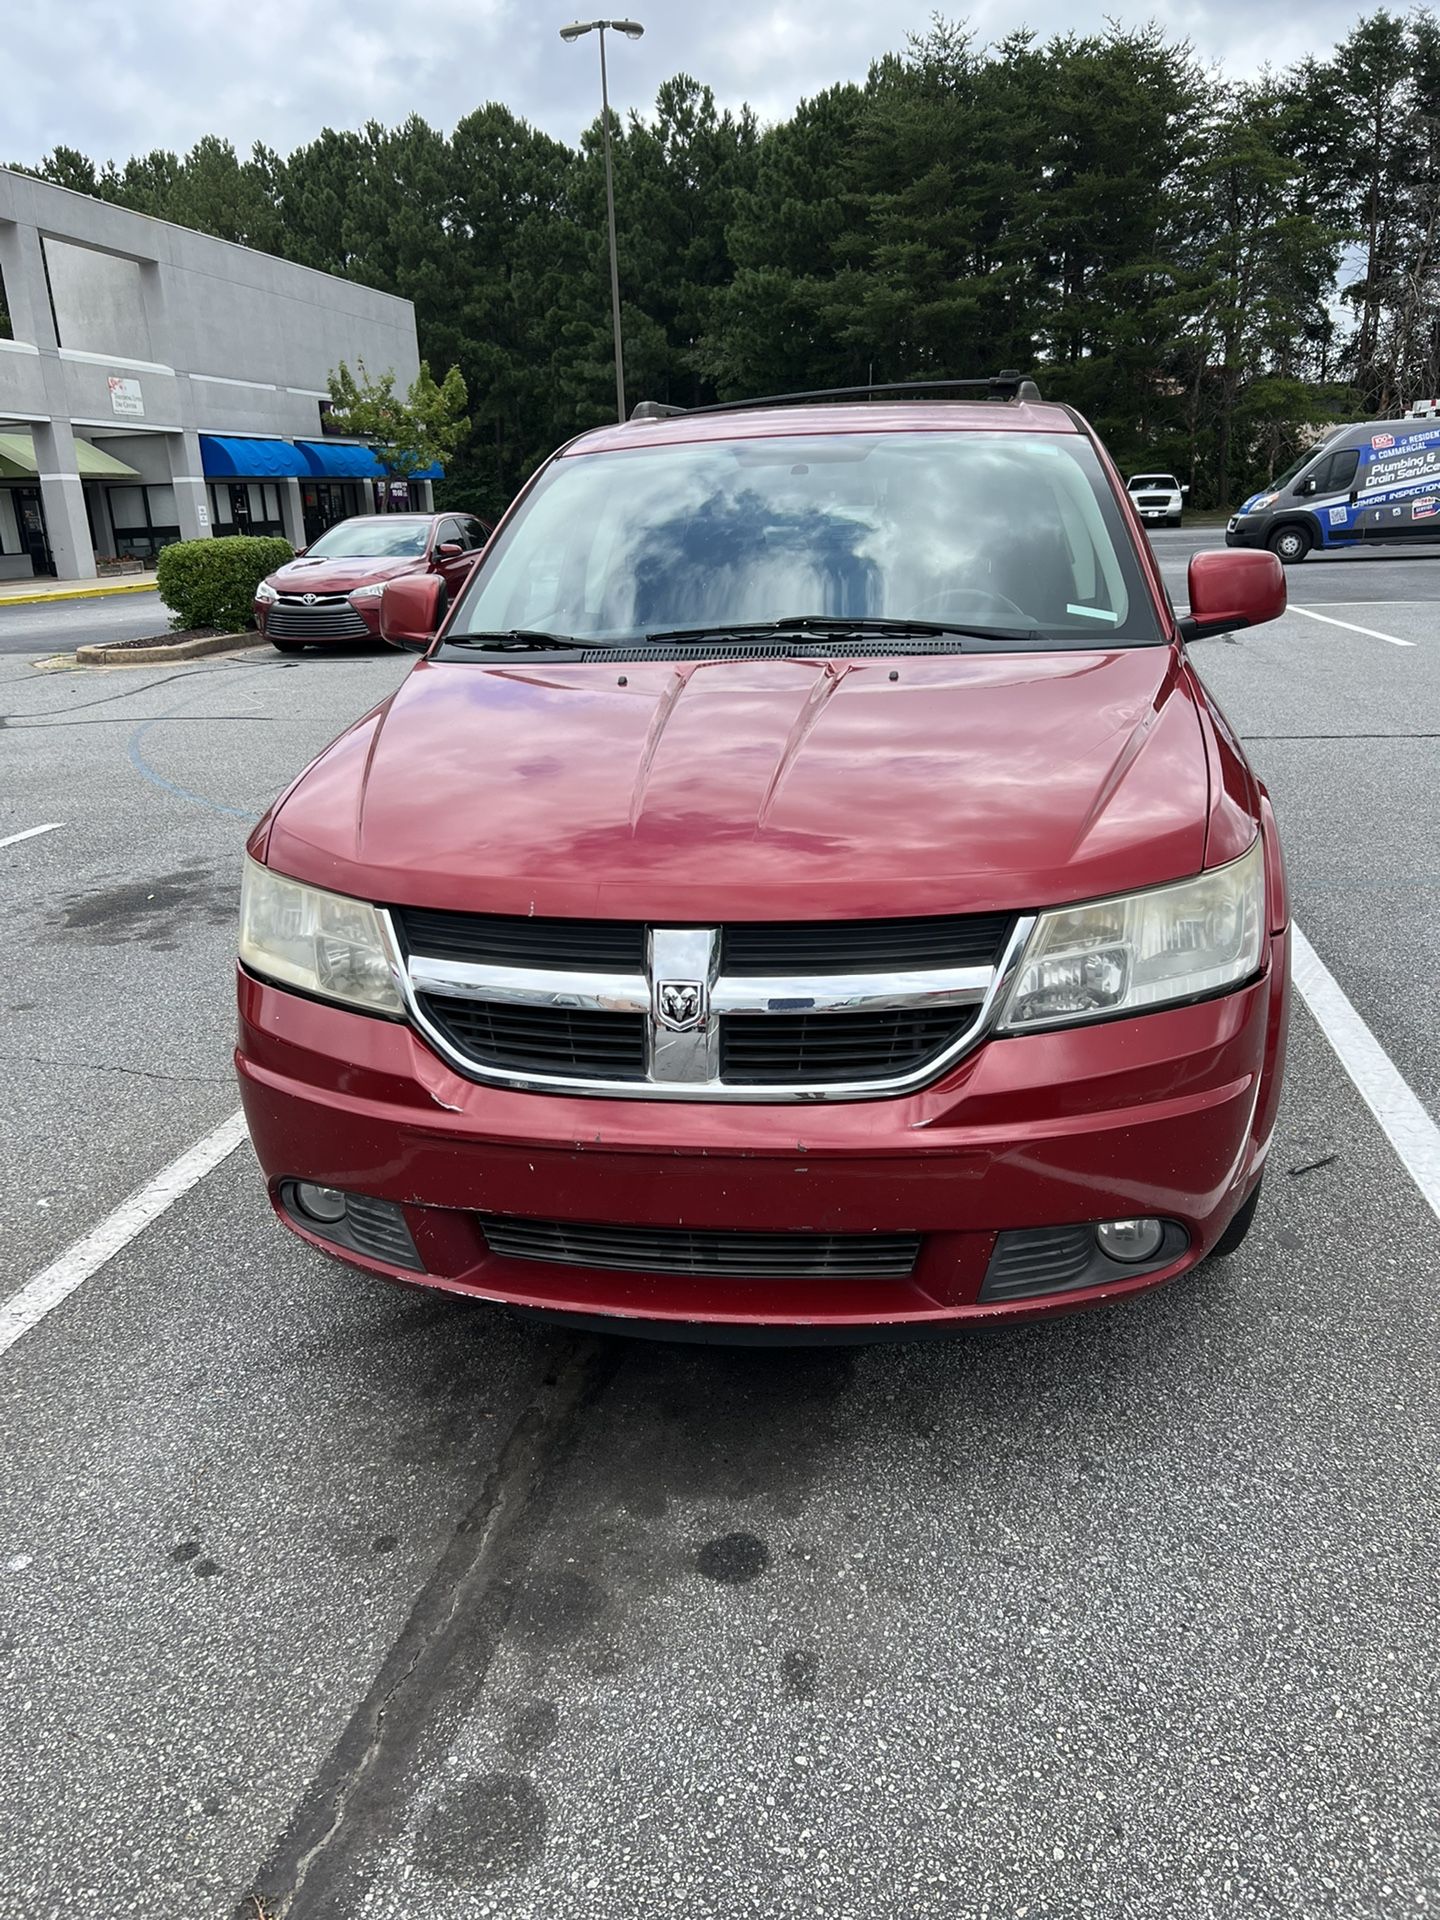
377	539
1015	534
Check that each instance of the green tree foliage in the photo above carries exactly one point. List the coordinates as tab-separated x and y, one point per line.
1210	269
407	432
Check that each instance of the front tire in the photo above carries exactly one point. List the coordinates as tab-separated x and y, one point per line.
1290	544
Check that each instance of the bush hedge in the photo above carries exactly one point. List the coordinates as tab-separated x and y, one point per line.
211	583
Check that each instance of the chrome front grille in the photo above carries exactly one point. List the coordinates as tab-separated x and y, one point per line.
320	616
749	1012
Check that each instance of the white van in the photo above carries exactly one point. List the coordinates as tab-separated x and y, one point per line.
1159	498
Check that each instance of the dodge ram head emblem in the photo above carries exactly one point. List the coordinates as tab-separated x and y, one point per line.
679	1004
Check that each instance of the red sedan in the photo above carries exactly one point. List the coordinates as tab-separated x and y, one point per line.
803	890
331	590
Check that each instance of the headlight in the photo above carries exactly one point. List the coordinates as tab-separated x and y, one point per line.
1142	950
323	943
368	593
1259	504
266	594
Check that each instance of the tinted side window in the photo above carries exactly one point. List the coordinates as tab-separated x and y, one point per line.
448	534
1341	474
473	534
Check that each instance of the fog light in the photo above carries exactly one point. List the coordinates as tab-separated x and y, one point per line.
1130	1240
325	1204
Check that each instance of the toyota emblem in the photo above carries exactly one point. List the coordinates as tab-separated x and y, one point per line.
309	598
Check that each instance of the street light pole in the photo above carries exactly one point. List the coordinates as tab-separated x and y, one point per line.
632	31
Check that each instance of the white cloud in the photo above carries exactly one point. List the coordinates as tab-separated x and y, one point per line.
131	77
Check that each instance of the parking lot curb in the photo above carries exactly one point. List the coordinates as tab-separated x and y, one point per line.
122	656
76	593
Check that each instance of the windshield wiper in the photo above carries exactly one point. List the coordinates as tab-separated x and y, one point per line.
832	626
522	640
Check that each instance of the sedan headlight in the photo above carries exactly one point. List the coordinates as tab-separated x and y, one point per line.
266	594
318	942
1142	950
368	593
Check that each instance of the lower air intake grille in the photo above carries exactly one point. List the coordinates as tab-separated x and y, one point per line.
377	1228
1032	1260
788	1049
706	1254
554	1041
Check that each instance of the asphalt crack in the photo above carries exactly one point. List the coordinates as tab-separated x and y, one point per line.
130	1073
354	1810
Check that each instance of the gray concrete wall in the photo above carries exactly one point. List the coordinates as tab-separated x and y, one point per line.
158	334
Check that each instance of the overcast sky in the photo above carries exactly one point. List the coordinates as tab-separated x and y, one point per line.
116	77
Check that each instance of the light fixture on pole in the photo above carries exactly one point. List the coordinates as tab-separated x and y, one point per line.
632	30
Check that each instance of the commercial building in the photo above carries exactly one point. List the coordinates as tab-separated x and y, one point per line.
157	384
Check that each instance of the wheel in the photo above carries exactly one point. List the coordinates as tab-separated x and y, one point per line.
1289	544
1235	1233
288	646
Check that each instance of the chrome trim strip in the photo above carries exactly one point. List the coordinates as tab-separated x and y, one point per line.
532	986
854	992
627	993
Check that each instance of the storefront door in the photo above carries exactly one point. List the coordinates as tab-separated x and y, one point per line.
30	517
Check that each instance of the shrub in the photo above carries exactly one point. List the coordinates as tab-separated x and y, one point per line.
211	583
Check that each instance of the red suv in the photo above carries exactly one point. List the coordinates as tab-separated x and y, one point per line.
331	589
803	887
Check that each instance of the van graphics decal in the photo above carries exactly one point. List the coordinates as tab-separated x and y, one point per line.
1424	509
1383	440
1338	516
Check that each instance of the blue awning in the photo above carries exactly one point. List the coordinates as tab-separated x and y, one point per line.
226	459
339	460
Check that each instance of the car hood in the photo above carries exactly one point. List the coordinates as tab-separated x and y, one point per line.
764	789
338	576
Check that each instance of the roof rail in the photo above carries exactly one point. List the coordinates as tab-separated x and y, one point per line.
1009	385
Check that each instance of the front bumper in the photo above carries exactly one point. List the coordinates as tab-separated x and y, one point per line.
1167	1114
1247	529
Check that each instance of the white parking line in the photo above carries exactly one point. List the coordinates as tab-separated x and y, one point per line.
73	1267
1369	632
13	839
1407	1126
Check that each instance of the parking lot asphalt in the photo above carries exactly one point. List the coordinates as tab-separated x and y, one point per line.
320	1598
40	627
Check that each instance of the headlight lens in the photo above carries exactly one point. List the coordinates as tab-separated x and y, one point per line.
322	943
368	593
1142	949
266	594
1265	500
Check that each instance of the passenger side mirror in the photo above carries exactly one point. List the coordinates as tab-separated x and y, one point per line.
449	548
1184	489
1230	589
411	608
1312	485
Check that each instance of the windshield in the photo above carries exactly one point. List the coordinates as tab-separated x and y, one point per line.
1164	482
1015	533
378	539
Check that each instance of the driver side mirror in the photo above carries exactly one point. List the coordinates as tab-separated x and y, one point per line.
448	549
411	608
1312	485
1232	588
